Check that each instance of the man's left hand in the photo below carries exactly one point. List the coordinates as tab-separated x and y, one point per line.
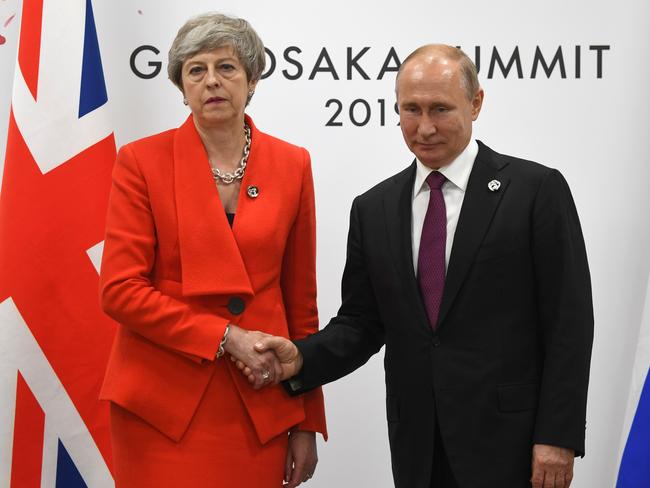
552	466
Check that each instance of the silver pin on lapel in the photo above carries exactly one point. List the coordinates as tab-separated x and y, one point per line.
494	185
253	191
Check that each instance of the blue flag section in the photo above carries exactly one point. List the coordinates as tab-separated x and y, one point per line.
634	471
67	475
93	88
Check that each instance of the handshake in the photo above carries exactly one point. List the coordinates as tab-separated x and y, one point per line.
264	359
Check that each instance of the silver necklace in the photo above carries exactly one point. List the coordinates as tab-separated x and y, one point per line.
238	174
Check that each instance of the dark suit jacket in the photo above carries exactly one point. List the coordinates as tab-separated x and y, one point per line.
509	364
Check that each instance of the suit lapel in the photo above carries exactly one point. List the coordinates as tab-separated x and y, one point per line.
398	210
476	214
210	258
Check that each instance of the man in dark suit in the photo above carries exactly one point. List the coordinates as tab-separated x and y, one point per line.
470	267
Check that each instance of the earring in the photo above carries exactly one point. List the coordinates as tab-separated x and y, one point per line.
184	101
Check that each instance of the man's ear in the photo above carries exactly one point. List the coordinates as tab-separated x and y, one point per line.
477	103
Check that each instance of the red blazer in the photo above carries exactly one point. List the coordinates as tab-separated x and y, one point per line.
172	267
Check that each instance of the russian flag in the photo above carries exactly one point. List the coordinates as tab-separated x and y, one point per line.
634	470
54	339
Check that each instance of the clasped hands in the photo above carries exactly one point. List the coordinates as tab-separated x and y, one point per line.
264	359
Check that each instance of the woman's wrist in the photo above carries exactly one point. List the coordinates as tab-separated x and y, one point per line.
235	339
224	340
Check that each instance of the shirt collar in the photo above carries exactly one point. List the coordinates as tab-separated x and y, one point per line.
457	172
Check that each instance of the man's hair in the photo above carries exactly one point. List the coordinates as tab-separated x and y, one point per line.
469	75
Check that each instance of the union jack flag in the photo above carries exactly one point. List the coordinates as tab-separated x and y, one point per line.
54	339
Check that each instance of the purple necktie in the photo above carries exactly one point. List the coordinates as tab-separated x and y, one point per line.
431	257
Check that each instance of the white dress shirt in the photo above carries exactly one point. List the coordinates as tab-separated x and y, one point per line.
453	192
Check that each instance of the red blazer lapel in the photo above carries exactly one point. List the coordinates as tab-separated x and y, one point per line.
210	258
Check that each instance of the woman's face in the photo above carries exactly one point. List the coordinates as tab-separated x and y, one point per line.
215	87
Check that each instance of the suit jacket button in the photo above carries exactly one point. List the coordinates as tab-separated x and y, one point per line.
236	305
436	341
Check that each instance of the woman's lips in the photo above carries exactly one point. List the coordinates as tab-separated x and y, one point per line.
214	100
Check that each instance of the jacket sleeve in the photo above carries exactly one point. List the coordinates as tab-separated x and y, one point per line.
566	316
298	283
127	293
355	334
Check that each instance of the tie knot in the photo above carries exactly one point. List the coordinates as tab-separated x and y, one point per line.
435	180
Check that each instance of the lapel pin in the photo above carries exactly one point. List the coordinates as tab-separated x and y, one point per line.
494	185
253	191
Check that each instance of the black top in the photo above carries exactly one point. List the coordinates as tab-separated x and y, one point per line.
231	218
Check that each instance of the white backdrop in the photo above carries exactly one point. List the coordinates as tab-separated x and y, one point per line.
591	128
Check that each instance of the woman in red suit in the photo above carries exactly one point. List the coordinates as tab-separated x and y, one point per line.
210	236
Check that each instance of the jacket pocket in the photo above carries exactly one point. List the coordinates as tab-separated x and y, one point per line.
392	408
516	398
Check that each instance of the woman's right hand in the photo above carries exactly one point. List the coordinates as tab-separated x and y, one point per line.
286	352
265	368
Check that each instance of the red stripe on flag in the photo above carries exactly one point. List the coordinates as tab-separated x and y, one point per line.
29	427
29	48
53	219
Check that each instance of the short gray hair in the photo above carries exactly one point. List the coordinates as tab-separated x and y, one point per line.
468	72
210	31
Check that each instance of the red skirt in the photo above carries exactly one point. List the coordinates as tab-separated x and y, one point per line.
220	448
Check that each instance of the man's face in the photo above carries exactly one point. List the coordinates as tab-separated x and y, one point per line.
435	113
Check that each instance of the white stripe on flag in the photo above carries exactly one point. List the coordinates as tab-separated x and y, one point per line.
95	255
19	351
50	125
